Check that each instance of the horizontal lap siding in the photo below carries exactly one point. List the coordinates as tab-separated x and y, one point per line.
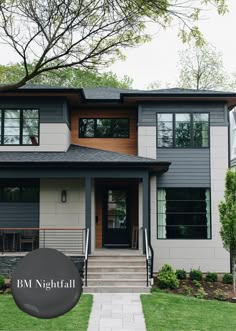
19	214
218	112
189	168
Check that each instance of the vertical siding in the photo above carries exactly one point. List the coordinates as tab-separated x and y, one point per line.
19	214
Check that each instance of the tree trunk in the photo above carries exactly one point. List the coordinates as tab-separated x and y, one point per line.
233	270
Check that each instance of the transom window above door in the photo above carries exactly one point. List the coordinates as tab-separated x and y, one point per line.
19	126
183	130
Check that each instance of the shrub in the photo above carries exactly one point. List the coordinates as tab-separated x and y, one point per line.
195	274
227	279
219	295
211	277
197	283
201	294
167	278
2	282
181	274
187	290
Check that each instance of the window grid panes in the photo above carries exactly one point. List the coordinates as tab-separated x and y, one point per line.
19	126
104	128
183	130
183	213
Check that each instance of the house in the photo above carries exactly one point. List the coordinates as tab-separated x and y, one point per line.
141	170
233	137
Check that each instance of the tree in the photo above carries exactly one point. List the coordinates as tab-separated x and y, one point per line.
201	68
56	34
227	209
68	77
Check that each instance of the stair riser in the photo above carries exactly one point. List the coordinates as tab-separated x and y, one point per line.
116	258
115	275
101	282
115	269
116	290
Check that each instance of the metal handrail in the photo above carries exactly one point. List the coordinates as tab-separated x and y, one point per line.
86	258
149	256
147	253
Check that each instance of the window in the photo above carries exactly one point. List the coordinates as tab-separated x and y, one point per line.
104	128
15	191
183	213
19	126
183	130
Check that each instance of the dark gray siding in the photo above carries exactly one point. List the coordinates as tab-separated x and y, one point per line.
19	214
218	111
189	168
52	110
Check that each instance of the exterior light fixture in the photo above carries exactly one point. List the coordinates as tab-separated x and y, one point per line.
63	196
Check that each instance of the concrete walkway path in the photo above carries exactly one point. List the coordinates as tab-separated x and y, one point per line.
116	312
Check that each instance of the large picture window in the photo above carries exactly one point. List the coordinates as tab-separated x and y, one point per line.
104	128
183	130
183	213
19	126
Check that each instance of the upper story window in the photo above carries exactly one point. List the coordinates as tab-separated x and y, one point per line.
104	128
183	130
19	126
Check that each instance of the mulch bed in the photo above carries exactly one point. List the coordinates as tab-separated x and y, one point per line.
217	290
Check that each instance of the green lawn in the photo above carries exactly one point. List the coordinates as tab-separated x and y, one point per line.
13	319
168	312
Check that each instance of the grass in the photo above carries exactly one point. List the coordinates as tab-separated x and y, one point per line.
168	312
13	319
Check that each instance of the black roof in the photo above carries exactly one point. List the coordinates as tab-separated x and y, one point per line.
81	156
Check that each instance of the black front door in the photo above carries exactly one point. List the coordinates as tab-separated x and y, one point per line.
116	225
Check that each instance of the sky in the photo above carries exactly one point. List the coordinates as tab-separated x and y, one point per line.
157	60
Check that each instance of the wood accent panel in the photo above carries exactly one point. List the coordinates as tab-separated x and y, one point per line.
100	185
121	145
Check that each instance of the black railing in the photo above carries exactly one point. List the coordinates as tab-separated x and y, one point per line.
70	241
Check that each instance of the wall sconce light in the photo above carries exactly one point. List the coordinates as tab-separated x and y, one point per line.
63	196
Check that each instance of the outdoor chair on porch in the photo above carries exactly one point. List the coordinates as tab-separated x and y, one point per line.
28	238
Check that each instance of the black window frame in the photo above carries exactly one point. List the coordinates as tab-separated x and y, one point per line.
210	215
21	184
191	132
95	126
21	127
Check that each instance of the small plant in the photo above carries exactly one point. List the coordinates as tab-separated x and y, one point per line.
195	275
219	295
227	279
201	294
187	290
2	282
181	274
197	283
211	277
167	278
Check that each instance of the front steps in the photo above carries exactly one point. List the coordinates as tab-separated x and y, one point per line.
111	273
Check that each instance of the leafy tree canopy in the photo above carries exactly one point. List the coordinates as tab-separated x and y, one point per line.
55	34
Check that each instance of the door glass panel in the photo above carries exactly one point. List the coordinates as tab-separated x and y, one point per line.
116	209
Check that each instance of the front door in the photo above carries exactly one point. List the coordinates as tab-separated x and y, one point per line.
116	225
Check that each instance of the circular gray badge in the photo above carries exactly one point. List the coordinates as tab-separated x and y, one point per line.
46	283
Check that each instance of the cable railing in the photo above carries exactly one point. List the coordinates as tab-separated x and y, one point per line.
70	241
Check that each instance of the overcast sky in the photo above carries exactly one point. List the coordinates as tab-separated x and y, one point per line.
157	60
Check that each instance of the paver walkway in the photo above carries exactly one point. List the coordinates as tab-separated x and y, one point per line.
116	312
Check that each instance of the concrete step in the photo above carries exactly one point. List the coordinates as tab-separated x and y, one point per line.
116	282
117	257
117	275
120	268
116	289
116	263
